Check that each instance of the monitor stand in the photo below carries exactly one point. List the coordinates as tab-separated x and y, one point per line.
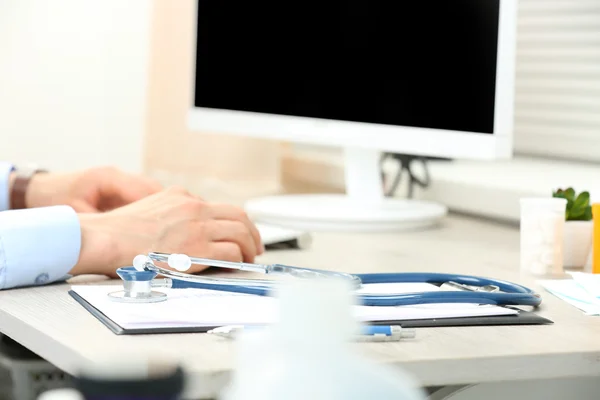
363	208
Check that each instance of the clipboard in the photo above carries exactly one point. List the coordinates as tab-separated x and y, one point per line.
522	318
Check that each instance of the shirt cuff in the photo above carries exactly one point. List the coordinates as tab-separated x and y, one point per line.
38	245
5	170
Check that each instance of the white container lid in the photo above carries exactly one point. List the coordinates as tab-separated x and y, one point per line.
545	203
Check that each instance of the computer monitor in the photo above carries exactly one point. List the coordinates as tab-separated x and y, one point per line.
421	77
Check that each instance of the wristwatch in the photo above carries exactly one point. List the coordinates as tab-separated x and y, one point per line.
18	192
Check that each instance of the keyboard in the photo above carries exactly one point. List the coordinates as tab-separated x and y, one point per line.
272	235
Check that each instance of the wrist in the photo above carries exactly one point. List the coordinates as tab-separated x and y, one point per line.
39	193
98	253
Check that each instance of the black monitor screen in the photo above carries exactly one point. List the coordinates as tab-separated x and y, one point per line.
420	63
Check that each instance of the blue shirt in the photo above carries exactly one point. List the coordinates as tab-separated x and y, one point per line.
37	245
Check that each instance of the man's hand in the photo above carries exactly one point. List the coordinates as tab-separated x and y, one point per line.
171	221
93	190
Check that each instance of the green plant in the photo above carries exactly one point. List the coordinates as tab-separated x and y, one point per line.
578	206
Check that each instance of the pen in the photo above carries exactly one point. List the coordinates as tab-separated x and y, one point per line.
369	333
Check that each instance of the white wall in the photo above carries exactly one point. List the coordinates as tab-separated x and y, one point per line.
73	76
557	95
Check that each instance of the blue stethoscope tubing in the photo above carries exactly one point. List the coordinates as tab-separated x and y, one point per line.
512	294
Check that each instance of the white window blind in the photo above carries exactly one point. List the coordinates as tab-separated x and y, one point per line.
557	98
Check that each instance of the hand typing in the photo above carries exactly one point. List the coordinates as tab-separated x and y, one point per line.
170	221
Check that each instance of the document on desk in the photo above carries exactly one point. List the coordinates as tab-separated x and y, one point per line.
583	291
207	308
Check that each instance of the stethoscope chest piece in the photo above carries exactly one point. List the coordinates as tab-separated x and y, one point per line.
137	287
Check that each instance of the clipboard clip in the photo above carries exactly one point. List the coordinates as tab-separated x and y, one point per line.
450	285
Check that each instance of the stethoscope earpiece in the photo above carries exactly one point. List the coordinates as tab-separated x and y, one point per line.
180	262
139	262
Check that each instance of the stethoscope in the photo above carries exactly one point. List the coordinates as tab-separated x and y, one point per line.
139	282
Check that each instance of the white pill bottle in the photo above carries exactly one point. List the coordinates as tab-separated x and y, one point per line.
310	353
542	225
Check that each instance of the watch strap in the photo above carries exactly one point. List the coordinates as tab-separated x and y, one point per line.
21	182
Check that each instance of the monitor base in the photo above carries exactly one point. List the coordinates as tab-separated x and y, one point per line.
341	213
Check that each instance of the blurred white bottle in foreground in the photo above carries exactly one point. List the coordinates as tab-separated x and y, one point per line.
310	352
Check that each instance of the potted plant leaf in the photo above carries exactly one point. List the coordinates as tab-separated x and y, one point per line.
578	227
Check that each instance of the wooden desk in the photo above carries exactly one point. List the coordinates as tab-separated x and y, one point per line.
50	323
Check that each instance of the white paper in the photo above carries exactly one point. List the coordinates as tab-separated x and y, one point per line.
590	282
391	288
581	291
207	308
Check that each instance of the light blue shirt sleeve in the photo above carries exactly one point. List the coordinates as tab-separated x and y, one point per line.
38	245
5	170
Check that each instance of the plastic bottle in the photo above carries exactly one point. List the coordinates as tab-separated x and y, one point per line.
61	394
542	230
309	353
124	377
